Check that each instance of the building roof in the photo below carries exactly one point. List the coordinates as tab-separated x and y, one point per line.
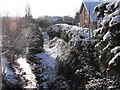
90	5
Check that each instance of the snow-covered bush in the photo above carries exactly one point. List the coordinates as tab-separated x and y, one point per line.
76	62
109	35
79	66
58	47
67	32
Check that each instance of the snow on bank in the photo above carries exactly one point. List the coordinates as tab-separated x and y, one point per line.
25	71
52	47
56	47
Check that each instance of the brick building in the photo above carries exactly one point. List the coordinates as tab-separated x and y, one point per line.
86	16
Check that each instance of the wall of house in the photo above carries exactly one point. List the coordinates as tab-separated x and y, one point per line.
84	20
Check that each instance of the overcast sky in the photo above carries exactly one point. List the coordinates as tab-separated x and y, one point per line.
40	7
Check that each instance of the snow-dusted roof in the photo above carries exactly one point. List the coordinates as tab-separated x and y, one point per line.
90	5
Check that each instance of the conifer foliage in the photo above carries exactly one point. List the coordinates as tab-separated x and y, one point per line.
109	35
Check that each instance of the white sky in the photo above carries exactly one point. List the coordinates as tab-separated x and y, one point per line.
40	7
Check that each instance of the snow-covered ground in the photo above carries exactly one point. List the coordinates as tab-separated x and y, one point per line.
24	69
